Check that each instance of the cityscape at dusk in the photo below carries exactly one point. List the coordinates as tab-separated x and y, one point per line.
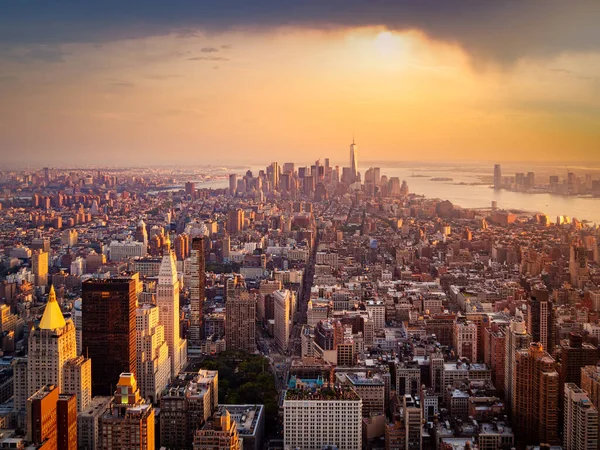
334	225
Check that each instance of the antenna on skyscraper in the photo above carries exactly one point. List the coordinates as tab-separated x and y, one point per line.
352	137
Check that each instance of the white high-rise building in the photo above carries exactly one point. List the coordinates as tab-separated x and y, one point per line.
153	361
317	418
517	338
580	420
51	345
77	379
282	313
167	300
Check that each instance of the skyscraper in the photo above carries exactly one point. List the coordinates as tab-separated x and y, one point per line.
232	183
167	299
353	161
109	329
497	177
51	344
197	283
153	361
517	338
580	429
535	396
539	318
240	322
282	307
573	355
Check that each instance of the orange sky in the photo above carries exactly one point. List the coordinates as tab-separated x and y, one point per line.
291	93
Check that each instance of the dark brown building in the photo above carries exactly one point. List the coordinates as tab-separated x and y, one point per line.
66	417
573	355
109	329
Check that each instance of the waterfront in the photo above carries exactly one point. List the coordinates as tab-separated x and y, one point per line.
481	195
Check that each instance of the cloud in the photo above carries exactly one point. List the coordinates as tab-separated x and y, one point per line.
121	84
209	50
37	54
502	30
208	58
579	76
226	47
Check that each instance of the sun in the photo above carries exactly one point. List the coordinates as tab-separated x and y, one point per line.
387	43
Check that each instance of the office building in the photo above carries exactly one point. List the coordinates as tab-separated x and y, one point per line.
580	428
240	322
319	417
153	361
39	268
197	286
282	303
186	404
109	329
129	421
220	432
536	389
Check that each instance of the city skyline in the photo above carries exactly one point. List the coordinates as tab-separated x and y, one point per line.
138	84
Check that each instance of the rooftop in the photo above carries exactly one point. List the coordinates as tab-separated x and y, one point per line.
324	393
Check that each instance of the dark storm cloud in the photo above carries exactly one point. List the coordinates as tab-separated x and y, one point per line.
500	29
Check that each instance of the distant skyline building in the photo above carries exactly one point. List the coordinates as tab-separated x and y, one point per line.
497	177
354	161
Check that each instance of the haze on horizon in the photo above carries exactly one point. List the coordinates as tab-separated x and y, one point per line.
153	82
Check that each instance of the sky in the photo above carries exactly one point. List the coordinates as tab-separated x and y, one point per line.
231	81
